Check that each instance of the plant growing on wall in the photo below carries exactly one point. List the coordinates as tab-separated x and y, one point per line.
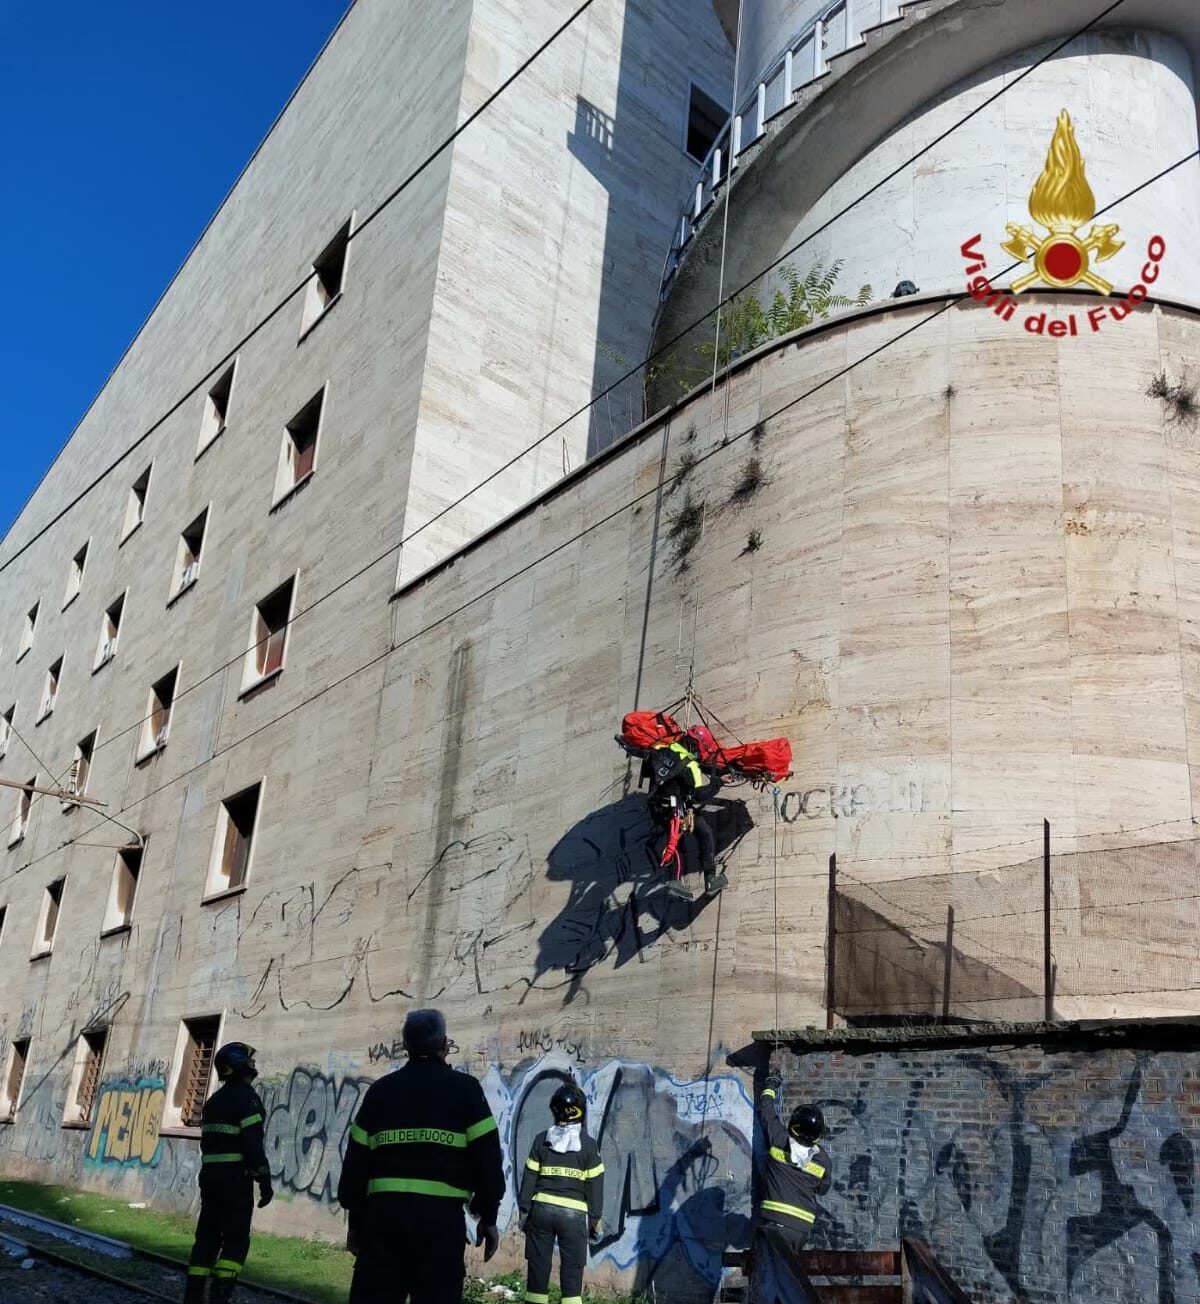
747	322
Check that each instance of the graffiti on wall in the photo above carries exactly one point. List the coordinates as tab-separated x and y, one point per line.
126	1123
1025	1184
307	1124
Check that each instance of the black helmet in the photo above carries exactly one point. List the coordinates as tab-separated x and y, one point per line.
806	1124
568	1104
235	1060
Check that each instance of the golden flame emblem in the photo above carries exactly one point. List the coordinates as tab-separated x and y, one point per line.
1062	201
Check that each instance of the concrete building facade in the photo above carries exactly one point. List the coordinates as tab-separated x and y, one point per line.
951	558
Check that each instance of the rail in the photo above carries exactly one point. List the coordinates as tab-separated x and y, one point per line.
803	60
96	1243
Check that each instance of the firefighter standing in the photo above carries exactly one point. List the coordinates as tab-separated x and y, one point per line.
795	1173
231	1161
561	1199
677	778
423	1145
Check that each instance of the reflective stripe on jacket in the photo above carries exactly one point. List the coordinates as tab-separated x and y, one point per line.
231	1129
688	761
571	1180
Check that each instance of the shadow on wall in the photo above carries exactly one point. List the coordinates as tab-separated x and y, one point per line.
617	905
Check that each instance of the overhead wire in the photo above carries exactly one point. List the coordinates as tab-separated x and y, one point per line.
658	351
655	353
952	300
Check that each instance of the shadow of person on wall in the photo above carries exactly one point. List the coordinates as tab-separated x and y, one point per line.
681	1252
618	904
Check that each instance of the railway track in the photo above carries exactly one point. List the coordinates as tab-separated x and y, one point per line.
73	1266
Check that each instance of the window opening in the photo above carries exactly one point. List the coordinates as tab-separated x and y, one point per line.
187	556
268	635
706	120
27	630
127	869
75	576
50	692
48	921
21	819
135	507
329	275
157	723
216	408
234	842
110	630
199	1044
85	1076
18	1057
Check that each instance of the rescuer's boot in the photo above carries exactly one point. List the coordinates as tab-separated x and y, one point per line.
196	1290
714	882
679	890
221	1291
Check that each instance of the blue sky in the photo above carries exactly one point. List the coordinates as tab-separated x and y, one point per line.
124	126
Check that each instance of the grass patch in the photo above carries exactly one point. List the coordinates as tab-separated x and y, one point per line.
752	480
684	529
758	434
754	541
300	1265
687	462
1179	398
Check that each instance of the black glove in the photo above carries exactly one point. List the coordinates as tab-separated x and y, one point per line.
266	1192
595	1227
521	1221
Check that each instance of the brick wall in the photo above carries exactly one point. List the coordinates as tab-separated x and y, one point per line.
1038	1169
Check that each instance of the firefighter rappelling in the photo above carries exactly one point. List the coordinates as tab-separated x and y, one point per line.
686	767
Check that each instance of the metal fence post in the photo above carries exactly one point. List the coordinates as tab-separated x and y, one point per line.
1047	974
831	943
949	960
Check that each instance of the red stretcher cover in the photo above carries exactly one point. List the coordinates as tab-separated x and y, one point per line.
772	759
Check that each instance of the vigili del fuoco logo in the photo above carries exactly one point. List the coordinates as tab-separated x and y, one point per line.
1062	204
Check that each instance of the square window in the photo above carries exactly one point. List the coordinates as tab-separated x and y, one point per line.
16	830
298	455
14	1076
127	869
329	275
110	631
157	722
81	767
75	576
85	1077
43	939
233	842
192	1071
705	122
6	721
135	507
187	555
27	630
50	690
216	408
268	636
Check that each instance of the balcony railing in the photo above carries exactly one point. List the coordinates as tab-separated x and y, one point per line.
803	60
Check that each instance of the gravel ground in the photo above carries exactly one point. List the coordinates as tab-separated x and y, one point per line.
56	1286
49	1282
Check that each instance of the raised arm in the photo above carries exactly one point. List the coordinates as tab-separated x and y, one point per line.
768	1113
